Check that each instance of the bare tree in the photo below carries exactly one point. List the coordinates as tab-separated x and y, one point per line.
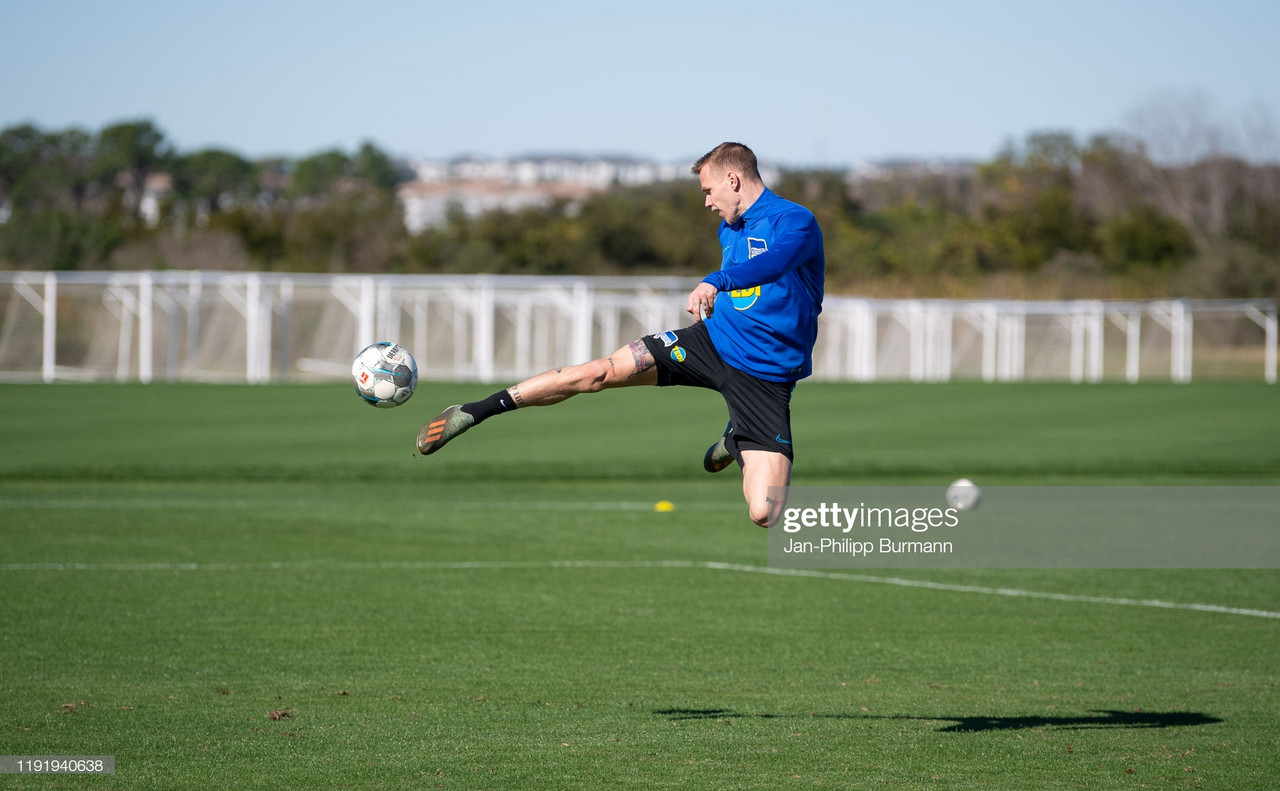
1196	167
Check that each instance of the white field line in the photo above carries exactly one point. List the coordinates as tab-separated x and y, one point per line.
1014	592
643	564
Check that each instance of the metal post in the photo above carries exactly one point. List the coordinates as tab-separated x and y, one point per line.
1188	338
524	337
420	332
1269	367
1096	324
284	345
146	334
195	287
482	318
253	327
388	312
583	324
174	332
1179	342
865	342
124	341
1012	342
366	331
940	321
1132	326
610	321
49	352
990	330
1076	323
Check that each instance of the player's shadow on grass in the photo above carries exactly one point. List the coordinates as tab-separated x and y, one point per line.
1094	719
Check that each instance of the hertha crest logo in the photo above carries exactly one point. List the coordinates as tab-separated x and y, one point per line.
756	246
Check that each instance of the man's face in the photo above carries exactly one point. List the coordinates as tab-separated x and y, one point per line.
722	194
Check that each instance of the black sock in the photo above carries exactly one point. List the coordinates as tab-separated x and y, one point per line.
495	404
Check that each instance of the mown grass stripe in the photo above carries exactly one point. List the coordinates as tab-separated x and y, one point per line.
642	564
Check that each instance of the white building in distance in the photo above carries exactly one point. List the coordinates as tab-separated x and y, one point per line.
477	185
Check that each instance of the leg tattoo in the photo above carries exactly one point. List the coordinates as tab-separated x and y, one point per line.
515	396
641	357
775	511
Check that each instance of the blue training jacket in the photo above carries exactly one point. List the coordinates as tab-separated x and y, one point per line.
771	282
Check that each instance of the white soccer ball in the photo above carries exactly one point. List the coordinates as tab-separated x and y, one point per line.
385	374
963	495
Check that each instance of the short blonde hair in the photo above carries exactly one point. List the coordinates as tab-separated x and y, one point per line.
730	156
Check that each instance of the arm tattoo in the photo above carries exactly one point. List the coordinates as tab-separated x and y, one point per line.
641	357
515	396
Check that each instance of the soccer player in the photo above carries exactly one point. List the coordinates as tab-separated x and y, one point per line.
756	341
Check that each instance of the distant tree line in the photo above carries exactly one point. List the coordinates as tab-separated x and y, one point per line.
126	198
1098	214
1050	216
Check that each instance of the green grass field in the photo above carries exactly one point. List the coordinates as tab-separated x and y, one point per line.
265	587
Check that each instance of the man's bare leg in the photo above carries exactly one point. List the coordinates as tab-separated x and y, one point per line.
631	365
763	470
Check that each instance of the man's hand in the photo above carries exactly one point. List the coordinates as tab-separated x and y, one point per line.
702	300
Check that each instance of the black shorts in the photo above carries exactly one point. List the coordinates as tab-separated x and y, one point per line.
760	410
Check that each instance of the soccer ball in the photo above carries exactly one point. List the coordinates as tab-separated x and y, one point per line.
964	495
385	374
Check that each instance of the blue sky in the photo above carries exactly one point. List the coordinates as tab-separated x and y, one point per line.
801	82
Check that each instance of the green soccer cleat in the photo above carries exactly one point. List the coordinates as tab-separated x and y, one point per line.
718	456
442	428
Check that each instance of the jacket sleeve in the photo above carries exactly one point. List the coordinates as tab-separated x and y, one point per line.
790	249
